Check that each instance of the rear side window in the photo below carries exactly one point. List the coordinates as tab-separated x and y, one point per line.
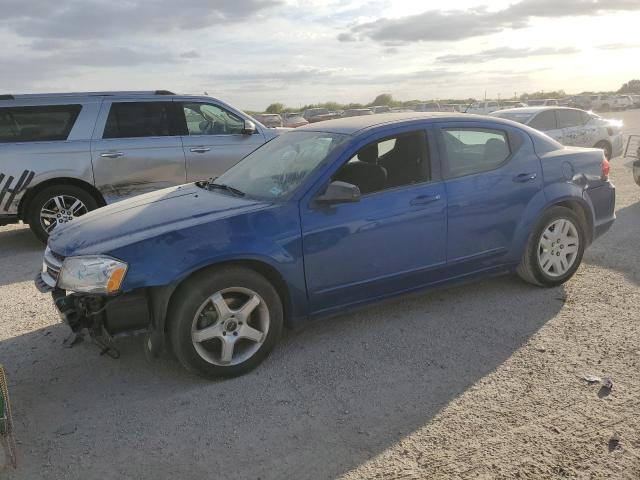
141	119
569	118
544	121
471	150
37	124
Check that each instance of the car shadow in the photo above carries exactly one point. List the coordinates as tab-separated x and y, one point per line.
330	397
612	249
25	259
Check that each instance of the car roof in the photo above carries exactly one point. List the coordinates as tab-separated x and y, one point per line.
352	125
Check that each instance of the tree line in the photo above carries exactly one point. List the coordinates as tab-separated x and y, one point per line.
386	99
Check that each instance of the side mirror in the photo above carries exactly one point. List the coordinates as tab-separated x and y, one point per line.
249	127
339	192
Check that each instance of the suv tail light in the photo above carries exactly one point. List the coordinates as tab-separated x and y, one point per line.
605	167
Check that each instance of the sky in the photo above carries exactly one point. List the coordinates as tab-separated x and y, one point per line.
251	53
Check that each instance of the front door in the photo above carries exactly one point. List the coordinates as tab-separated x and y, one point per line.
491	175
137	148
215	140
393	239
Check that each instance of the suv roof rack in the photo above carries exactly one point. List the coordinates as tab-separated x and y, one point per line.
88	94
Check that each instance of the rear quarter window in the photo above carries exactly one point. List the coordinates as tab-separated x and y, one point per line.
37	123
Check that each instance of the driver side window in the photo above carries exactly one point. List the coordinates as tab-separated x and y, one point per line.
209	119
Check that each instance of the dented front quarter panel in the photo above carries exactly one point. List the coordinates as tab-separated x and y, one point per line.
167	235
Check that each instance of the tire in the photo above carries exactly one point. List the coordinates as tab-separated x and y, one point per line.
193	314
70	194
535	268
606	146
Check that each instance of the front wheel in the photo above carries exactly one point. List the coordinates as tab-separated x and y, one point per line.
57	205
555	249
225	321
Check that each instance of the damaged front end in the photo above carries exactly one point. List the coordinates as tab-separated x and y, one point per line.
103	316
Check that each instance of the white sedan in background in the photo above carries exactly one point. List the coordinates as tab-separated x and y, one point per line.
571	127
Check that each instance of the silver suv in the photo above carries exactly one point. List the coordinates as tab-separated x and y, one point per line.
62	155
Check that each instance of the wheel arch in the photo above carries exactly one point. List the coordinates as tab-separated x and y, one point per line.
541	203
263	268
583	213
23	207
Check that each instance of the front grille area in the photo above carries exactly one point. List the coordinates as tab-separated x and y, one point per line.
51	265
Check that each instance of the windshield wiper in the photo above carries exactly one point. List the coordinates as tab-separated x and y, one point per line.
221	186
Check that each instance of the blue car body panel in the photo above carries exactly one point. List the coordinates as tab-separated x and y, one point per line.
333	257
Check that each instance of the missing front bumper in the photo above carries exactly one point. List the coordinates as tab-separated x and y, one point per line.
124	314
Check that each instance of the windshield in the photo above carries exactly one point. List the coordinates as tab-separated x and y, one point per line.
535	102
280	166
521	117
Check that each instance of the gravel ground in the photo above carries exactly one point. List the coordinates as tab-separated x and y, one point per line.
476	381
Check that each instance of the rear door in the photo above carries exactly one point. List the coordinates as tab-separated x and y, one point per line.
214	140
491	174
573	131
137	148
546	121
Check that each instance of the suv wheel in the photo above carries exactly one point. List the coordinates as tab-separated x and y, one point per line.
57	205
554	250
224	322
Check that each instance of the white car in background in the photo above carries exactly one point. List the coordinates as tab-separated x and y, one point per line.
571	127
483	108
622	102
542	102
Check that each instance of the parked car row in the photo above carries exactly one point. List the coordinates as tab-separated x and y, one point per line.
605	103
287	120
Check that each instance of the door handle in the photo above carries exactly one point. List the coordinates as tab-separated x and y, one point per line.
199	149
425	199
525	177
112	154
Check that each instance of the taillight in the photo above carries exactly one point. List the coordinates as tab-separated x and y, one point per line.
605	167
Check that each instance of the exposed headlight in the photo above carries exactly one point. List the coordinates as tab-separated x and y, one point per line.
92	274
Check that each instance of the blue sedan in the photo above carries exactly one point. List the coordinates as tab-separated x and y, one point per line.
325	218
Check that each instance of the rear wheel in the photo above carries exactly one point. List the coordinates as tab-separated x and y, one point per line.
57	205
606	146
554	250
225	321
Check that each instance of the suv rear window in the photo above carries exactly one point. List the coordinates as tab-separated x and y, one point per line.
141	119
37	124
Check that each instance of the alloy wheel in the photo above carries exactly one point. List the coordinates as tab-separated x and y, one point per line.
558	247
61	209
230	326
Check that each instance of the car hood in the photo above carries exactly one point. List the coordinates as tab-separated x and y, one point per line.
146	216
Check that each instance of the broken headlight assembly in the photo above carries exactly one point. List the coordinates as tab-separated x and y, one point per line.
92	274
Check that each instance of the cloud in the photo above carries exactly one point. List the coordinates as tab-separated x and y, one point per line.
618	46
347	37
436	25
504	52
95	19
190	54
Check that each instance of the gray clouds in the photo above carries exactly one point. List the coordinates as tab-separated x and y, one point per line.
99	19
439	25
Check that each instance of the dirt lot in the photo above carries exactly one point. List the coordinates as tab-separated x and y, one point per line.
477	381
